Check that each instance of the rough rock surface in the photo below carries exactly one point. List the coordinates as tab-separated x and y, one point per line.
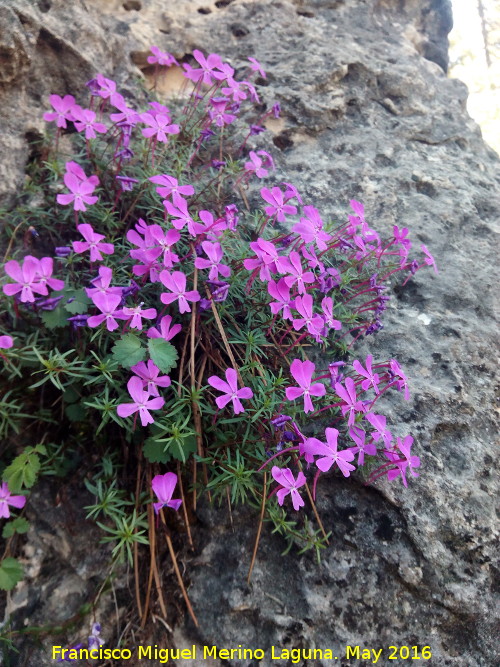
368	113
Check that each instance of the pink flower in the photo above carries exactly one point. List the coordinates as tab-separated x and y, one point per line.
127	116
75	169
26	277
303	371
281	292
6	499
208	72
219	114
150	376
256	67
137	313
102	284
379	422
170	186
329	454
6	342
163	487
214	253
161	58
298	275
362	448
142	402
176	283
44	271
85	119
402	464
178	210
313	322
159	126
230	391
289	484
81	193
277	206
348	395
93	243
402	382
62	107
108	305
327	307
165	331
310	228
107	88
429	259
372	379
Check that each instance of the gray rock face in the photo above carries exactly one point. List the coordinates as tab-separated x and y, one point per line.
368	113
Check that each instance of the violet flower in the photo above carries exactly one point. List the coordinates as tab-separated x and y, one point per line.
93	243
150	376
290	485
230	391
142	402
302	371
163	486
6	499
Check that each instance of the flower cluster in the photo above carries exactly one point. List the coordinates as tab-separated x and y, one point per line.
188	321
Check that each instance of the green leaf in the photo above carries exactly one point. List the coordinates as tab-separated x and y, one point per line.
75	412
11	571
128	351
19	525
163	354
55	319
80	301
24	469
155	451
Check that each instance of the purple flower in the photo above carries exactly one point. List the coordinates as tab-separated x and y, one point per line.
297	273
219	113
163	486
150	376
26	277
281	292
276	109
372	379
93	243
409	461
313	322
142	402
102	284
94	640
85	119
6	499
351	403
231	215
256	129
165	331
230	391
362	448
214	253
62	251
62	110
137	313
310	228
176	283
277	206
429	259
81	192
328	453
379	422
255	165
335	374
108	305
6	342
209	67
159	126
302	371
170	186
289	484
126	182
179	212
161	58
256	67
327	307
402	382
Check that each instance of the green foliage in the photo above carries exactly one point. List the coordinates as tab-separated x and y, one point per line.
24	469
163	354
128	351
19	525
11	572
